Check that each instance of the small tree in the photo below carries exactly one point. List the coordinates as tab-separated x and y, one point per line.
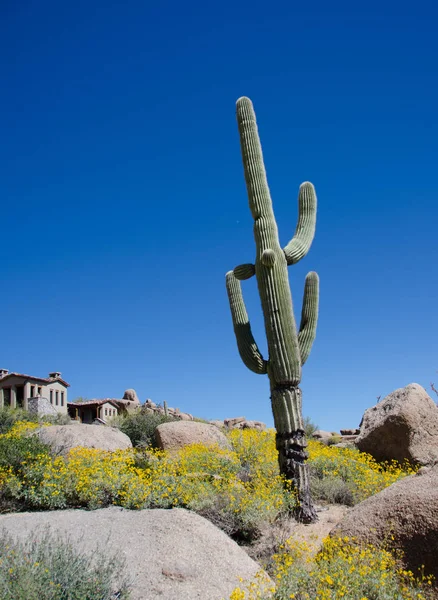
140	426
309	427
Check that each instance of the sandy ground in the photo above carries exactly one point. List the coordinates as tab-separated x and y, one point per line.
313	534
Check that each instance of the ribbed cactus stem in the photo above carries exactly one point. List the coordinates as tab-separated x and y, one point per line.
166	411
288	349
299	245
309	315
254	168
248	350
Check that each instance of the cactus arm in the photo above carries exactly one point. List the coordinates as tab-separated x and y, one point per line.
248	350
309	315
299	245
245	271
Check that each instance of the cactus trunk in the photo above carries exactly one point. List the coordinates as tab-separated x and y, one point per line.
291	447
288	349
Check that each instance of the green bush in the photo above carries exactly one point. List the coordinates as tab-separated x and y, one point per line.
140	427
59	419
244	527
9	416
49	567
16	451
333	490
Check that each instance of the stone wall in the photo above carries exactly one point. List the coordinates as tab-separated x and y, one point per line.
40	406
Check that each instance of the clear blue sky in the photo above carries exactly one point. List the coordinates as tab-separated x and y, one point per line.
124	203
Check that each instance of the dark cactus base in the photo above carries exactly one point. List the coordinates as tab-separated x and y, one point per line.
291	446
291	458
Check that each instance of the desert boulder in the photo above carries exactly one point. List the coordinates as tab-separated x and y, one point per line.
169	554
403	426
177	434
62	438
403	516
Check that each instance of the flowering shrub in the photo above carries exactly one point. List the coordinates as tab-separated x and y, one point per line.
17	452
237	489
243	490
341	569
18	429
362	475
256	451
9	416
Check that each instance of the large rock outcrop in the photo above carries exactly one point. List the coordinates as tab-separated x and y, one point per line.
170	554
131	396
175	413
403	426
403	516
175	435
322	436
62	438
239	423
129	402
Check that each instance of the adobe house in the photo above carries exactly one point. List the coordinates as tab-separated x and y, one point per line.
90	411
103	409
16	389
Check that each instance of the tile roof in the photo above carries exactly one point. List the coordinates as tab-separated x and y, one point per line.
97	402
32	378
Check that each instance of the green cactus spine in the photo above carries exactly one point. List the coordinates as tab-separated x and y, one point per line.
288	349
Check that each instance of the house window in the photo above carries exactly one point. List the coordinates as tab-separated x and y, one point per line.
56	397
32	391
19	396
7	396
106	412
40	391
51	396
62	398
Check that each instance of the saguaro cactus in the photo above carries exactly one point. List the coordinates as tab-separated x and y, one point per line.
288	349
